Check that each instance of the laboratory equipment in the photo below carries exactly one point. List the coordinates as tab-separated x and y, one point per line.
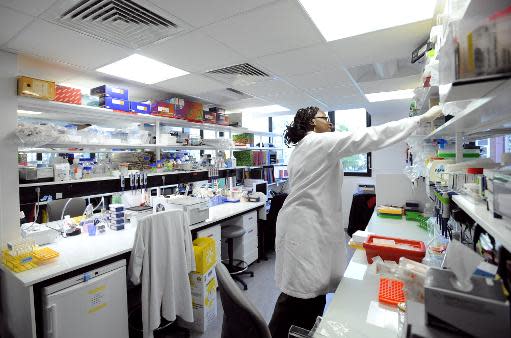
40	233
483	311
92	304
196	209
35	174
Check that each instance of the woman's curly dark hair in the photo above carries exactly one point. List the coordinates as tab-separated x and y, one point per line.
301	125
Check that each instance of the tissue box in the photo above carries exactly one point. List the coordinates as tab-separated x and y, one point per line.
180	107
162	109
68	95
115	104
210	117
140	107
114	92
194	111
40	89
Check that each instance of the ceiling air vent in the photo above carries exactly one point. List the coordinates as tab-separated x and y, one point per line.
241	69
122	22
240	94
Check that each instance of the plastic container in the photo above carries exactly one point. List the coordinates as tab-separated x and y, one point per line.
414	250
204	250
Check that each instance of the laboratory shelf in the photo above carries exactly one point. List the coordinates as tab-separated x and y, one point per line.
84	147
489	114
500	229
431	92
472	88
256	148
58	111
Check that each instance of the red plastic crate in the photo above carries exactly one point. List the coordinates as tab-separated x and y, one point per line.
388	253
391	291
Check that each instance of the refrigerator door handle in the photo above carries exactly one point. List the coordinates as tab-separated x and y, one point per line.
52	320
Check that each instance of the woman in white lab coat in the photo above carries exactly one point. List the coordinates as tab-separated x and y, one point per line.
310	236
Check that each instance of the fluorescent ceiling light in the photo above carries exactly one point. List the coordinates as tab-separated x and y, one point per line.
387	96
29	112
338	19
142	69
265	109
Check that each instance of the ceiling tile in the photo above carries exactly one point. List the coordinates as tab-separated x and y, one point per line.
408	82
11	22
30	7
193	52
320	80
396	42
269	88
191	84
63	45
300	61
247	103
334	101
199	12
267	30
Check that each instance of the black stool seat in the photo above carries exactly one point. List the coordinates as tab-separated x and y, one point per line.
233	231
236	267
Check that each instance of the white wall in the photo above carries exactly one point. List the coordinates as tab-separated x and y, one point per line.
9	194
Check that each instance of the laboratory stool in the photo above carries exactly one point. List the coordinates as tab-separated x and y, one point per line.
230	232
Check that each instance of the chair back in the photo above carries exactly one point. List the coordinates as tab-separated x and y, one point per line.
241	317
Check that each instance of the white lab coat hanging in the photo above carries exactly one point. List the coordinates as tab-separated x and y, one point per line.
311	255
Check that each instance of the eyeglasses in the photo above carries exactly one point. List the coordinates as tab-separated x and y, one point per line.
326	118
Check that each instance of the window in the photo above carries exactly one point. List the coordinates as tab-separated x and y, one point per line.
352	119
279	124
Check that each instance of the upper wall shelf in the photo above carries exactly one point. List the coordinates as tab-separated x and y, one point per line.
474	88
491	112
51	110
500	229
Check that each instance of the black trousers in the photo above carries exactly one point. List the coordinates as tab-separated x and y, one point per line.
295	311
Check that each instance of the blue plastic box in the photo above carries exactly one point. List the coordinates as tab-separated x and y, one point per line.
115	104
114	92
140	107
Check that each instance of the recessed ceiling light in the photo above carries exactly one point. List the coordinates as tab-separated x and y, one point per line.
142	69
29	112
340	19
265	109
387	96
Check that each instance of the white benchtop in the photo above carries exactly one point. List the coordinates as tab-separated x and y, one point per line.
355	302
83	250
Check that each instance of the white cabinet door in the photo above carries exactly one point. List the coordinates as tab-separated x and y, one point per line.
97	308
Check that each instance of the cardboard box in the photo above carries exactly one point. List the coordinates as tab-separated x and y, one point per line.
114	92
140	107
210	117
164	109
115	104
40	89
194	111
68	95
204	299
180	107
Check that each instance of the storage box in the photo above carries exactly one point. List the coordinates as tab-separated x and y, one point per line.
194	111
180	107
204	250
221	117
40	89
68	95
162	109
114	92
115	104
214	232
381	246
140	107
210	117
89	100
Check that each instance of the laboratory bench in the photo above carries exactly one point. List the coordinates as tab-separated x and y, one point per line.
355	302
80	254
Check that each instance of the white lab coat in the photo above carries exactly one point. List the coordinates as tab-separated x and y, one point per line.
310	234
162	257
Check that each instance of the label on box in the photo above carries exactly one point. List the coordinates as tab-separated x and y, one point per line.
117	91
162	109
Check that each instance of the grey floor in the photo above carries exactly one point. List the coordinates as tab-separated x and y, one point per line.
262	291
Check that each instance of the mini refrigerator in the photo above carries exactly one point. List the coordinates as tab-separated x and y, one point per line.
92	304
